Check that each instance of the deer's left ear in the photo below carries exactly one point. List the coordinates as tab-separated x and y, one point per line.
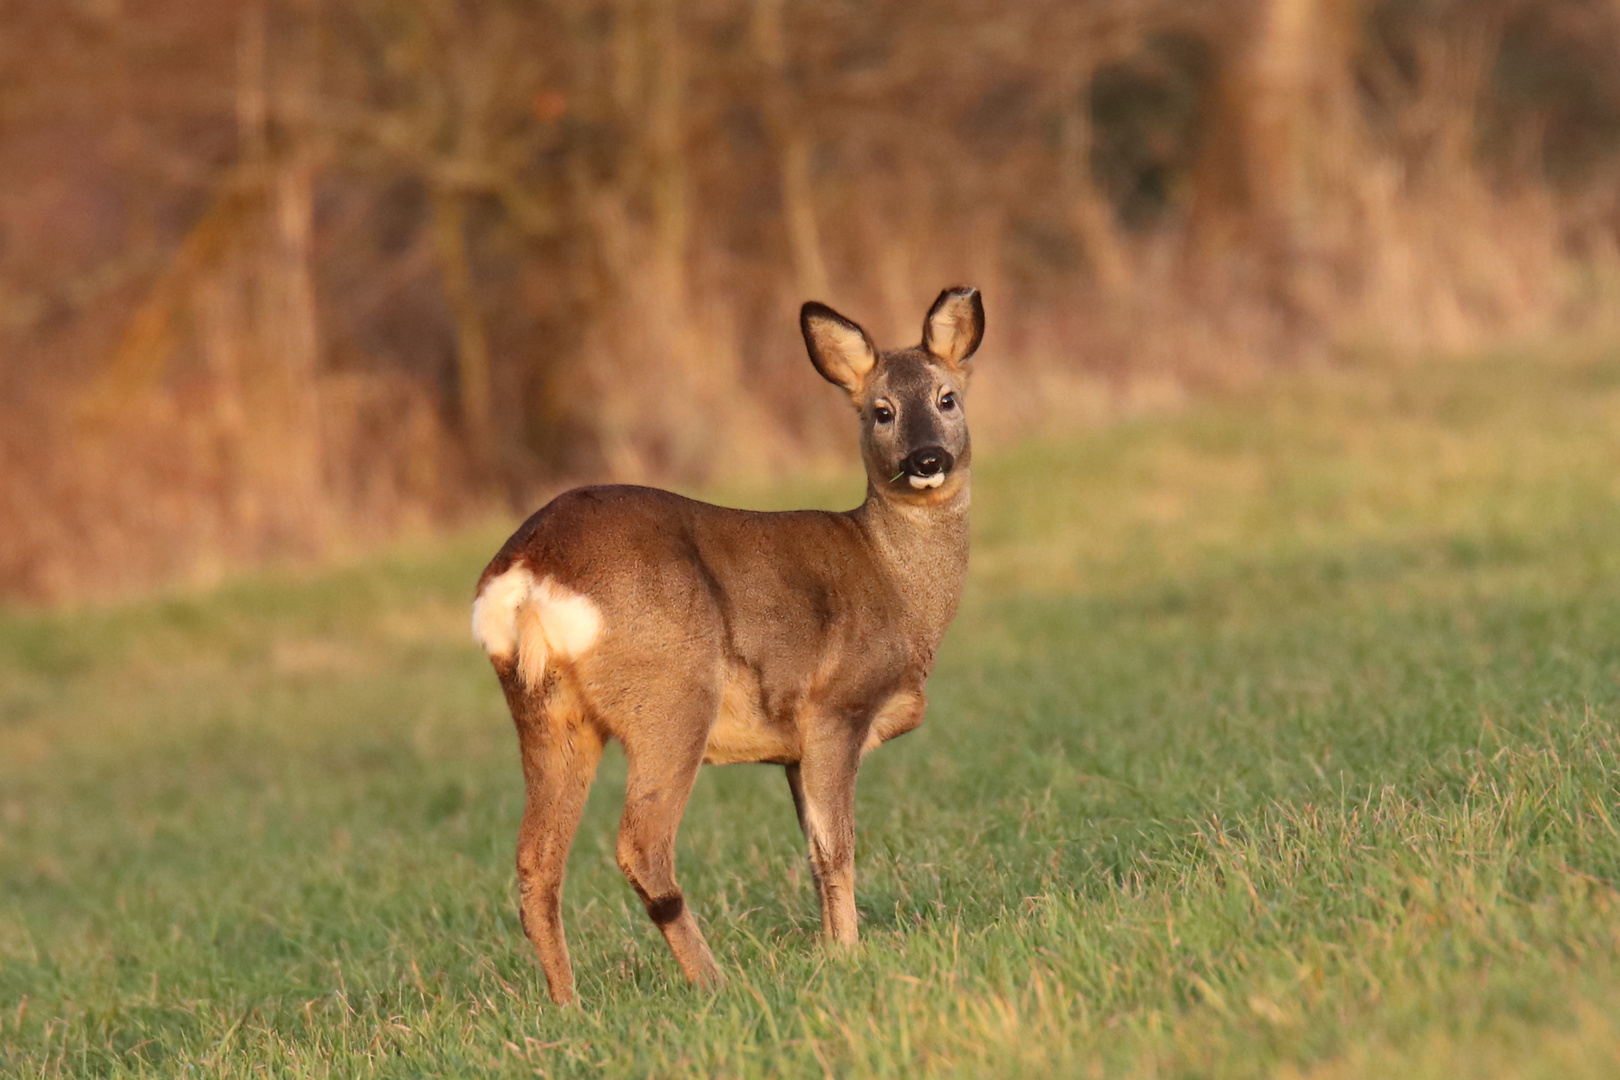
840	349
955	325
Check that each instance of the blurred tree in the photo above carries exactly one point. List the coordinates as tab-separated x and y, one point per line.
335	268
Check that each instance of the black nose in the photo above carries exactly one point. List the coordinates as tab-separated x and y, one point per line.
929	461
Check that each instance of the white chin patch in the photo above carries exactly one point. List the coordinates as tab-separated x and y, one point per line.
920	482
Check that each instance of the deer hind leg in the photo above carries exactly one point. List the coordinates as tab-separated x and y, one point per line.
560	754
824	793
658	785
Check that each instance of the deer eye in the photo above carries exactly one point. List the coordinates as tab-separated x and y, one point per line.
948	402
882	413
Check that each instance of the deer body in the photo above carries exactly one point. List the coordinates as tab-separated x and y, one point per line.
699	634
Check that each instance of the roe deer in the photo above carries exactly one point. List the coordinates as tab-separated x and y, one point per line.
694	633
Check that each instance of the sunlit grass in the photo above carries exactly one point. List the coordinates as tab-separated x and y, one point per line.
1276	737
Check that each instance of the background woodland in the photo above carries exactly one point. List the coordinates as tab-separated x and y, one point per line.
284	278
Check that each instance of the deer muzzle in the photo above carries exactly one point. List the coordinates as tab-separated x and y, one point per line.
927	467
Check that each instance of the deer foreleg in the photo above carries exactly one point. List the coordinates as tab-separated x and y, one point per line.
826	793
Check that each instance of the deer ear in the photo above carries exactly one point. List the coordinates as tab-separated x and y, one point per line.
955	325
840	350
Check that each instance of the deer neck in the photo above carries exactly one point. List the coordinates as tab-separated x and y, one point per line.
924	550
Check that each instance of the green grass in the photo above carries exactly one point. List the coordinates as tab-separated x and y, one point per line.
1275	738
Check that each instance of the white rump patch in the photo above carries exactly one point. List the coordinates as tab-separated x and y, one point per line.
494	618
515	615
920	482
570	621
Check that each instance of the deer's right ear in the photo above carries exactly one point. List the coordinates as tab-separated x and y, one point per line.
955	325
840	350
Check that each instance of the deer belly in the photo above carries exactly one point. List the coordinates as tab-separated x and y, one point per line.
743	733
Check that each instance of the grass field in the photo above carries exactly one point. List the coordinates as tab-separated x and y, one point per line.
1275	738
